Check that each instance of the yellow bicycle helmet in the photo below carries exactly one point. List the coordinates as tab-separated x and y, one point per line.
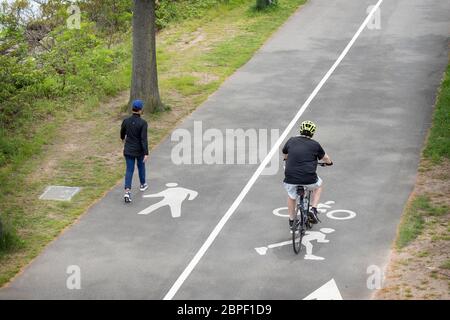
307	128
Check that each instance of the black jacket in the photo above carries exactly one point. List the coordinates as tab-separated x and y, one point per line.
134	131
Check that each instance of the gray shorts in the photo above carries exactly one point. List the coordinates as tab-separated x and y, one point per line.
292	188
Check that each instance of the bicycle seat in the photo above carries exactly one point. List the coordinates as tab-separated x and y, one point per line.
300	190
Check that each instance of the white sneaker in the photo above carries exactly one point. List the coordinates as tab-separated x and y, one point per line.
127	197
143	187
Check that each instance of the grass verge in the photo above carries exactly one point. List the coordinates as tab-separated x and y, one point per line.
413	221
80	145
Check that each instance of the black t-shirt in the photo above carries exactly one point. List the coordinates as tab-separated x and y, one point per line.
301	165
134	131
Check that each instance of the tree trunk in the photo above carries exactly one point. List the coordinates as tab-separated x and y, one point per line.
144	82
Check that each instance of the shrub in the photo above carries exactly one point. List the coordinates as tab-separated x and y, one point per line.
8	238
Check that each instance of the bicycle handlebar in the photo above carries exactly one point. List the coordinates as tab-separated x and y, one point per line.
323	164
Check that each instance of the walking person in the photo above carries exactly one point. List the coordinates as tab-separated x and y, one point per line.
134	135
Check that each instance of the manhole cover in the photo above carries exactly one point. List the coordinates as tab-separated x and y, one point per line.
59	193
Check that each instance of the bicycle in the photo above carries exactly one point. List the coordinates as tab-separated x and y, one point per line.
301	221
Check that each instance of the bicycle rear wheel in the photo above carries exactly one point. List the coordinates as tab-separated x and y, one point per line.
297	234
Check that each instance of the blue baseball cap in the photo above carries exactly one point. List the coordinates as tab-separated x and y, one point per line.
138	104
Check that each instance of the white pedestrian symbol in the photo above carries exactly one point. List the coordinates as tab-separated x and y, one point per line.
318	236
174	197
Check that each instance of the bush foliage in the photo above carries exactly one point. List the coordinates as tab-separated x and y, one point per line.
43	64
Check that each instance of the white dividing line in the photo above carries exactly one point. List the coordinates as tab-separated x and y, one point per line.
187	271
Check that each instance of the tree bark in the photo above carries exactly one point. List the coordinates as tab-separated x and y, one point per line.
144	82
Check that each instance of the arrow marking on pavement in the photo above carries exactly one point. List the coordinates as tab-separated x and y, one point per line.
329	291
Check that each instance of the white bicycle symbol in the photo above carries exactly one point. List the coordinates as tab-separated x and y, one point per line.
339	214
317	236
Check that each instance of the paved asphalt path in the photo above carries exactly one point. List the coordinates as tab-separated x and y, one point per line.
372	116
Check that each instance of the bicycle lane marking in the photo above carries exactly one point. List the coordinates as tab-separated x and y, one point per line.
311	235
200	253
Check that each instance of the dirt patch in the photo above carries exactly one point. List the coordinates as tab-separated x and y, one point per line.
434	180
415	272
418	271
203	39
186	44
189	40
78	140
205	78
45	169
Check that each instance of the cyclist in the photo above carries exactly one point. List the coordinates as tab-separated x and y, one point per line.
301	154
134	135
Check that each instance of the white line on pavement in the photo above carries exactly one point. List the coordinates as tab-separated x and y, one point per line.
193	263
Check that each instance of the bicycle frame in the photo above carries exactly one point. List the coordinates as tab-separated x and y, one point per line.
303	200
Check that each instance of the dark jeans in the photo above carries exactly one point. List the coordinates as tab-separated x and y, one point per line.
130	170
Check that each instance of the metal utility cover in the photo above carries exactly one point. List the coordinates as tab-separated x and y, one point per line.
59	193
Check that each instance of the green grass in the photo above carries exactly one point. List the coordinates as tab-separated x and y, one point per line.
423	254
9	240
230	34
446	265
440	237
438	145
413	222
424	205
